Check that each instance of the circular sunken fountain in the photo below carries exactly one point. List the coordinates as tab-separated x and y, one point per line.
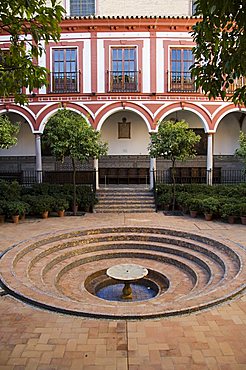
66	272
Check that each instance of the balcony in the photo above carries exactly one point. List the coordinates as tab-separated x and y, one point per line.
64	82
181	82
239	82
123	81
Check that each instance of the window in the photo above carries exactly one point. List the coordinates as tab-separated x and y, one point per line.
64	72
193	7
82	7
180	75
124	76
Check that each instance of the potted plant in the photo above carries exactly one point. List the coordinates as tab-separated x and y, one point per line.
194	204
243	213
209	207
164	201
43	205
15	209
230	211
61	205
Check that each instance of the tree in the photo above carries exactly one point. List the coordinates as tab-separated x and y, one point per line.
68	134
174	141
220	51
8	132
241	151
30	24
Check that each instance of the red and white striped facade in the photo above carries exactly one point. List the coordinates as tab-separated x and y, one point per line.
92	49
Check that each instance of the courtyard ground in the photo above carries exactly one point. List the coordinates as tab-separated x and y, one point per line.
31	338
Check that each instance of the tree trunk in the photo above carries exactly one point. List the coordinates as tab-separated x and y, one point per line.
173	185
74	188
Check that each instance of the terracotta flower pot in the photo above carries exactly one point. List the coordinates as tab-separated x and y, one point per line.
208	216
15	218
61	213
193	214
231	219
243	220
23	217
45	214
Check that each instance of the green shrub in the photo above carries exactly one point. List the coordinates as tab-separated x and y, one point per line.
10	190
230	209
16	208
60	204
164	200
194	203
42	203
210	205
242	209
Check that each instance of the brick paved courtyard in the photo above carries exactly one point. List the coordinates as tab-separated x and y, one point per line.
32	338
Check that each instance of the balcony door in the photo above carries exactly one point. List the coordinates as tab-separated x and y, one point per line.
180	76
64	73
124	74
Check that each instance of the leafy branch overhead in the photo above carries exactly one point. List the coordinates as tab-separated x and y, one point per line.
8	132
220	51
30	24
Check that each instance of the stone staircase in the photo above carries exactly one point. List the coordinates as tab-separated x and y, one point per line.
120	200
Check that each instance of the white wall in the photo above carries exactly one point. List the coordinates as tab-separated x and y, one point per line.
140	138
138	7
226	136
191	118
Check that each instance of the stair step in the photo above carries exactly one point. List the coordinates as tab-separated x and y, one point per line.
124	200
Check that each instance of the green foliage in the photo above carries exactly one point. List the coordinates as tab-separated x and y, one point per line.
220	47
42	203
60	204
9	190
164	200
3	206
210	205
243	209
28	23
8	132
68	134
241	151
174	141
16	207
232	208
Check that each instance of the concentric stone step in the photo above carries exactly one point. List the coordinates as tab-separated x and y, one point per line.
53	271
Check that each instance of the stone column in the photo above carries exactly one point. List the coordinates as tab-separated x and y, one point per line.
96	173
210	159
38	157
152	172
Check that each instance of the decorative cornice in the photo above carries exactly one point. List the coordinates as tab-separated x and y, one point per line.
128	23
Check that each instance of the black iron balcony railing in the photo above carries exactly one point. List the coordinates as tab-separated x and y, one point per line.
181	82
239	82
123	81
64	82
